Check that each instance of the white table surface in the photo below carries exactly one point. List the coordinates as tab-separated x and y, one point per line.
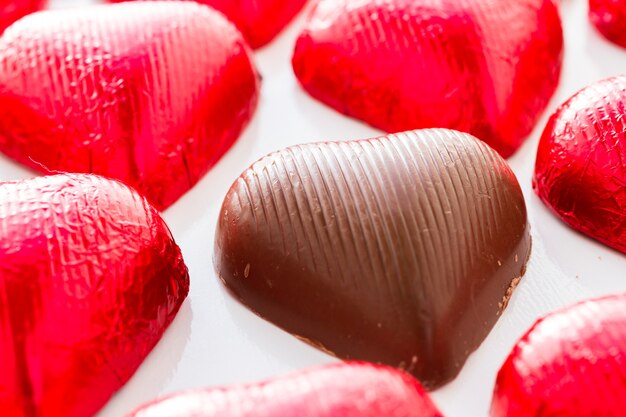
215	340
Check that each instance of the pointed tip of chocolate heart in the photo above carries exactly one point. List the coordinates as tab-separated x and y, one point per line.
401	250
91	278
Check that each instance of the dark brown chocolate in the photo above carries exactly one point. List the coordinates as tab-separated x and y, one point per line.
401	250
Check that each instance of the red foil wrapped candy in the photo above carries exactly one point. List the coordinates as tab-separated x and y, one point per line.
486	67
341	390
258	20
90	277
12	10
571	363
580	171
151	94
609	17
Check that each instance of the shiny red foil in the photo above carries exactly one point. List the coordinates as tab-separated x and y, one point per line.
148	93
11	10
259	20
609	17
571	363
486	67
580	171
340	390
90	277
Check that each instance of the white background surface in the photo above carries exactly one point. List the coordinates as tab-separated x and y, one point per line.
215	341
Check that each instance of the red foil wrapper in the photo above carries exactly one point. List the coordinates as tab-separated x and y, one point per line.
571	363
580	170
90	277
150	94
11	10
341	390
486	67
259	20
609	16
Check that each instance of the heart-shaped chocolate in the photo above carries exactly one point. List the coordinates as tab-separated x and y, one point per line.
400	250
609	17
12	10
571	363
151	94
487	67
340	390
258	20
581	171
90	278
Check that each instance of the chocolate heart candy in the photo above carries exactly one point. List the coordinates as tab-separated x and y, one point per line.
340	390
609	17
12	10
258	20
580	171
90	277
487	67
401	250
151	94
571	363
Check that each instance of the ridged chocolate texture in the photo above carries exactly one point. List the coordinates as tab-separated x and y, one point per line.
401	250
151	94
90	277
338	390
486	67
581	169
570	363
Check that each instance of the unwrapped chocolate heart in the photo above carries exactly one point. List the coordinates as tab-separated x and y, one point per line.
90	278
581	171
487	67
342	390
401	250
571	363
258	20
12	10
149	93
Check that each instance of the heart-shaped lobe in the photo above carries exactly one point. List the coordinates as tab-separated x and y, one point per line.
150	94
339	390
400	250
258	20
487	67
570	363
609	17
581	170
12	10
90	277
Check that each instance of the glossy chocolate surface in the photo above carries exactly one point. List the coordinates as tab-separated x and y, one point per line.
401	250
